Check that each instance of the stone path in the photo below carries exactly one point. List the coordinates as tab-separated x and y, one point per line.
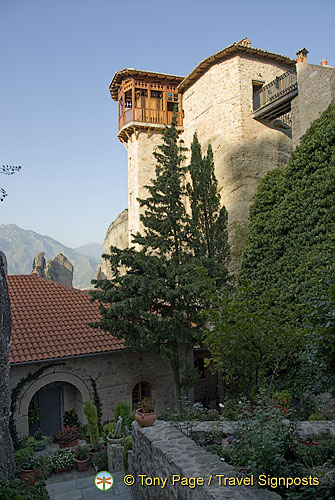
74	485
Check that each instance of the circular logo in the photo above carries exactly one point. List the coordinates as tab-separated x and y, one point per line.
104	480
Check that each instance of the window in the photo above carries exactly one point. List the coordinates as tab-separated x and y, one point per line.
256	87
141	390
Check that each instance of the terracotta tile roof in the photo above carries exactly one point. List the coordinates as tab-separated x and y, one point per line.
50	321
237	48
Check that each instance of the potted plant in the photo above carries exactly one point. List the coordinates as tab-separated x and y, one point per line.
82	457
70	418
67	437
28	466
91	414
145	414
100	461
83	433
115	435
38	442
62	460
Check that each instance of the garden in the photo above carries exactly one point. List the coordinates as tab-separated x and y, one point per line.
264	438
75	445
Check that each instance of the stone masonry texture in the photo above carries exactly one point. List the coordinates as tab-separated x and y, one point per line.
115	374
163	451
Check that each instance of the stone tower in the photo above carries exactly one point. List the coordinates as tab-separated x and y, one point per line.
146	102
217	100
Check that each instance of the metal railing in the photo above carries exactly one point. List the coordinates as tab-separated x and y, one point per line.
282	85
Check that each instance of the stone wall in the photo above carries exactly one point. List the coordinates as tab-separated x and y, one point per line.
316	92
218	106
162	451
115	374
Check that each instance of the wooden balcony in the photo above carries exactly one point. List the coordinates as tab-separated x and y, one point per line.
145	100
274	99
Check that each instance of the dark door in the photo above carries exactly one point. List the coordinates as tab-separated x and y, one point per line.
48	401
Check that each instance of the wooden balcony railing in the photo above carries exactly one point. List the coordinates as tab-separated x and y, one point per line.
144	115
282	85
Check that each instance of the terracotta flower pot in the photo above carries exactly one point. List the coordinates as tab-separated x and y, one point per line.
28	475
82	465
145	419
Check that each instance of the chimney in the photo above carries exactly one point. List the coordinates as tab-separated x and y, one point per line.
302	55
324	62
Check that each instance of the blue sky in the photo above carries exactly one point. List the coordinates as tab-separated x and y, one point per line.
57	117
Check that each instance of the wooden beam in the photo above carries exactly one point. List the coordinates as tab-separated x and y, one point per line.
124	143
165	104
133	96
129	137
135	134
148	133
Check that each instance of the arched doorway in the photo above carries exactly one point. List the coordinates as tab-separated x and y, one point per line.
52	395
49	405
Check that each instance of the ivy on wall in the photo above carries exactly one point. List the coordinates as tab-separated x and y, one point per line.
96	400
15	394
291	238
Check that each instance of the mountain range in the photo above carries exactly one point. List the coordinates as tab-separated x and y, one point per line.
21	246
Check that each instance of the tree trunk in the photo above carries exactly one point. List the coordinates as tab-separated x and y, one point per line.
7	462
176	376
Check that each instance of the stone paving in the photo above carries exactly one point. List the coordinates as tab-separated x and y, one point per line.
74	485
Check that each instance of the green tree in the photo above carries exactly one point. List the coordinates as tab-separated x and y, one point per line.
250	344
209	235
156	303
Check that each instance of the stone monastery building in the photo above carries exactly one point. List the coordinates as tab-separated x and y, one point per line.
250	104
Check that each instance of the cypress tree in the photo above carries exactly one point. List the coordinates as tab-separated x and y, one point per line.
155	304
209	235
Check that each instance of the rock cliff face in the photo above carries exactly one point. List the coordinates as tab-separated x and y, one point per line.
39	265
58	269
117	236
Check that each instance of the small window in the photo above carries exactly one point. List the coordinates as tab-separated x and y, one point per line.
141	390
171	96
256	87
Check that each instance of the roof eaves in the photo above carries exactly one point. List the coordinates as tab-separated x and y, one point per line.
202	67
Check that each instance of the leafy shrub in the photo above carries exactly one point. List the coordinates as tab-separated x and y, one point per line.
123	409
229	409
66	435
82	453
263	442
190	412
100	460
25	458
83	431
317	449
20	490
91	414
37	444
70	418
128	445
315	416
108	428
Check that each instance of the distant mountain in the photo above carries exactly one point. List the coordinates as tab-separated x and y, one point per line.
94	250
21	246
